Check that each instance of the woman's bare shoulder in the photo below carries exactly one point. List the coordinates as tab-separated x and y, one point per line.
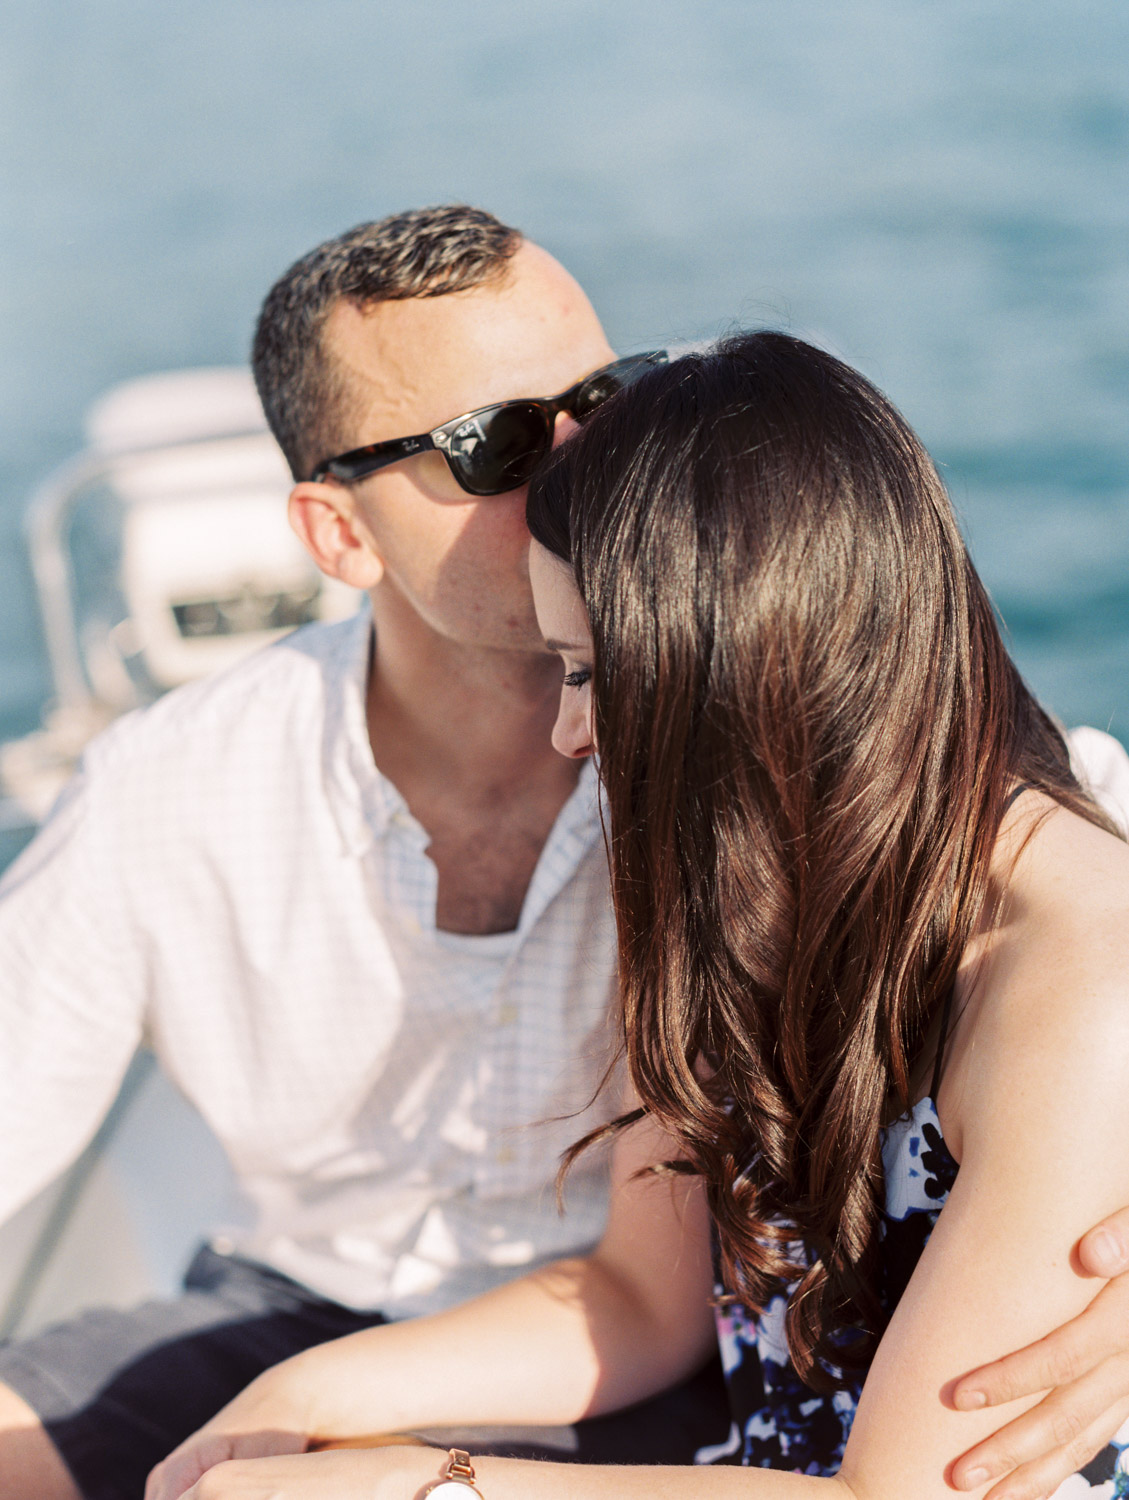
1046	1010
1067	884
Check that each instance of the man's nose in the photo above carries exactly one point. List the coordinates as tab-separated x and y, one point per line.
563	428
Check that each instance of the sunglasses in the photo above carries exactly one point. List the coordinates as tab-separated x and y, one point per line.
496	448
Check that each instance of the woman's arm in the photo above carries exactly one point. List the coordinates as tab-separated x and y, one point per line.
1084	1368
1034	1103
402	1473
577	1338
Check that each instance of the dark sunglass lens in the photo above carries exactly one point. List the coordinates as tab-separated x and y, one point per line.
498	450
604	383
596	390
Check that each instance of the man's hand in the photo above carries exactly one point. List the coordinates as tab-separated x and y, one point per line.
1084	1366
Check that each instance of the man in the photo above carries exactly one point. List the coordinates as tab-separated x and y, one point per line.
348	891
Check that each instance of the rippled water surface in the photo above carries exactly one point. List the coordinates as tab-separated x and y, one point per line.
939	192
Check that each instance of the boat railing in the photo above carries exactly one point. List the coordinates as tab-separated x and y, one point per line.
48	519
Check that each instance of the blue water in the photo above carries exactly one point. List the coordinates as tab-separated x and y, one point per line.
938	191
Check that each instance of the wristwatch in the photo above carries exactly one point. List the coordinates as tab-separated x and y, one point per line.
456	1482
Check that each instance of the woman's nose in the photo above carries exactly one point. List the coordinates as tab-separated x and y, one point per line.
572	733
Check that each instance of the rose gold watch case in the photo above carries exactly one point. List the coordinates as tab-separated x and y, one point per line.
452	1489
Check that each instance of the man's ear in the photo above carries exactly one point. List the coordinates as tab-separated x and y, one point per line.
326	522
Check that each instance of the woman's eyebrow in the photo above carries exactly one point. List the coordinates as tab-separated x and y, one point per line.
563	645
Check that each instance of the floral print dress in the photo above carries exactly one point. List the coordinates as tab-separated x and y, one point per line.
780	1423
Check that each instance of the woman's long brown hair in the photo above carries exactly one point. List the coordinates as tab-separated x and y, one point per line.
808	728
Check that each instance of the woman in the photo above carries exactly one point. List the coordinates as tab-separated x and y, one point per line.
870	929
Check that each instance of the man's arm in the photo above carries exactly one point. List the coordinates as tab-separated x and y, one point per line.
71	994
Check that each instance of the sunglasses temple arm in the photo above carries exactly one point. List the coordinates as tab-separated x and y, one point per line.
379	456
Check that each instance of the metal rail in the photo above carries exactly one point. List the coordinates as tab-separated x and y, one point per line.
47	531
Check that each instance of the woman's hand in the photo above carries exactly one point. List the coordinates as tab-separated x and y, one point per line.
1085	1368
368	1474
257	1424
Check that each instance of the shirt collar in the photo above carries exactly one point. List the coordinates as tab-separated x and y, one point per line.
363	801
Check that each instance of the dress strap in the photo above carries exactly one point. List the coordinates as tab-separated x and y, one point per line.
1017	792
947	1010
946	1015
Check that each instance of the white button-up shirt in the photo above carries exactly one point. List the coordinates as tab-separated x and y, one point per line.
230	877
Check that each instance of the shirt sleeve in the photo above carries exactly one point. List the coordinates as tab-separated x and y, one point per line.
72	996
1102	766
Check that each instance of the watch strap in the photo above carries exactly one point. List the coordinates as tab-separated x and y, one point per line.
456	1479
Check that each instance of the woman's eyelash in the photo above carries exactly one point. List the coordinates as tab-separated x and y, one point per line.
577	679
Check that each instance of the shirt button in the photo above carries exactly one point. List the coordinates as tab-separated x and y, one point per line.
504	1156
508	1014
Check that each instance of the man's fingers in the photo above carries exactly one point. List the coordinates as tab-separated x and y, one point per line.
1041	1477
1105	1250
1055	1361
1058	1437
1099	1333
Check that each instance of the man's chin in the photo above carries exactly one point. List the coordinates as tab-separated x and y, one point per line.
517	632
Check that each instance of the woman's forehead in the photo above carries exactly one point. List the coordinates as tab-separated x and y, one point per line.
560	610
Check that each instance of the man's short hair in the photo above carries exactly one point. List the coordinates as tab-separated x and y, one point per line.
427	252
